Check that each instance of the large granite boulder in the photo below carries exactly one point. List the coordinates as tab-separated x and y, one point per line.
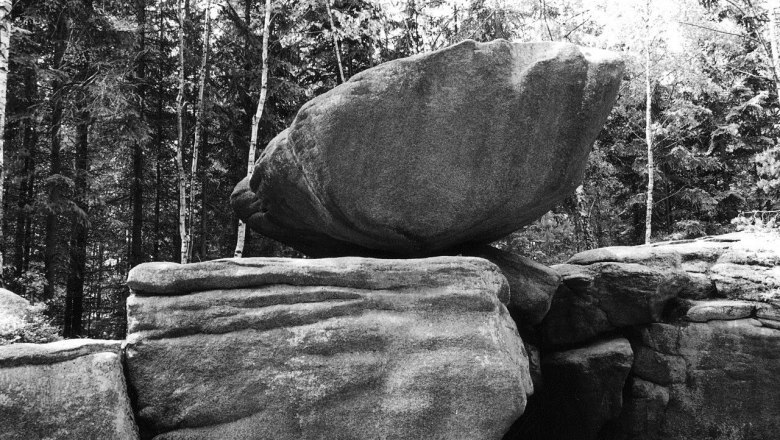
419	155
13	311
21	321
324	349
73	389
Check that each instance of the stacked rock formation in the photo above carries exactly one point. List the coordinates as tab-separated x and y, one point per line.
422	155
434	155
703	321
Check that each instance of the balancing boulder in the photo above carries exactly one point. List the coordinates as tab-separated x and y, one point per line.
424	154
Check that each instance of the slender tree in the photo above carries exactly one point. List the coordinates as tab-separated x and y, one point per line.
648	127
336	45
182	177
137	188
256	119
774	41
202	94
59	32
5	43
77	249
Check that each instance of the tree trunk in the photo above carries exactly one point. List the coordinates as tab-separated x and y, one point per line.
256	120
136	189
202	94
74	293
5	43
184	252
159	145
336	45
51	251
774	43
203	248
648	129
584	215
27	179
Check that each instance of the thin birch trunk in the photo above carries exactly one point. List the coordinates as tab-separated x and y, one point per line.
773	41
183	232
204	75
256	120
336	45
5	43
584	214
648	129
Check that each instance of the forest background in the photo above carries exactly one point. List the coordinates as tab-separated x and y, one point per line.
128	123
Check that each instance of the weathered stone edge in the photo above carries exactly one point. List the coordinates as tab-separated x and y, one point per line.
351	272
15	355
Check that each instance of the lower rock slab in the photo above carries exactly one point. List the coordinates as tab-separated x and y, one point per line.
73	389
299	358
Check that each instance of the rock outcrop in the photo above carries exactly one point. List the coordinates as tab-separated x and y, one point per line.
704	380
417	156
21	321
72	389
703	318
13	309
531	285
605	296
582	390
335	348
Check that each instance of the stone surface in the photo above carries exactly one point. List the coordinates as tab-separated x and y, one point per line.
12	311
602	297
162	278
582	390
739	266
715	380
22	322
531	285
73	389
419	155
347	348
703	311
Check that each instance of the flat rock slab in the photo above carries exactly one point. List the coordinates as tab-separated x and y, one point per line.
737	266
73	389
419	155
411	351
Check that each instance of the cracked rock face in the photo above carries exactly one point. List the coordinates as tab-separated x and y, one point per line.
705	380
420	155
72	389
705	368
333	348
